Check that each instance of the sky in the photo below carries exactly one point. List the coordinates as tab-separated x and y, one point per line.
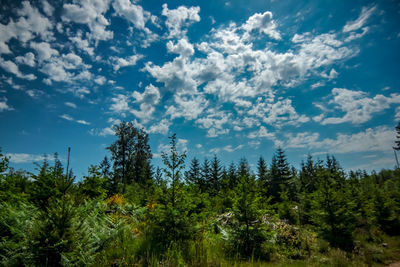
233	78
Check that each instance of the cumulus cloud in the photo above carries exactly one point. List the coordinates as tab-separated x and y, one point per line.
30	23
261	133
3	105
162	127
215	122
90	13
178	19
277	113
120	104
183	48
397	114
372	139
100	80
148	99
234	71
125	62
131	12
27	59
43	50
357	106
24	157
11	67
47	8
82	44
187	106
262	23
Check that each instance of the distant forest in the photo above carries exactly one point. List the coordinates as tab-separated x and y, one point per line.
125	212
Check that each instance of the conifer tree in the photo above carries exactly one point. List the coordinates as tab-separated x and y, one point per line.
215	177
248	234
174	164
205	176
262	173
280	174
193	175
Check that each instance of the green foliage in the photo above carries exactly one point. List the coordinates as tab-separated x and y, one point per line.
248	232
131	157
16	227
317	216
93	185
332	211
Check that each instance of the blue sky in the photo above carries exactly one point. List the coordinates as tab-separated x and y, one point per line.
234	78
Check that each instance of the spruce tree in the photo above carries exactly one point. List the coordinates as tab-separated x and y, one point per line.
193	175
280	174
262	173
205	176
215	177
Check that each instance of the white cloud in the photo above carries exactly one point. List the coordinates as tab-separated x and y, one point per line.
183	48
66	117
24	157
333	74
277	113
148	99
162	127
56	72
354	35
31	23
358	107
47	8
180	18
3	105
229	148
102	132
83	122
120	104
70	104
34	93
44	50
301	140
187	106
181	145
82	44
215	122
316	85
262	133
125	62
60	68
71	61
131	12
28	59
100	80
360	21
69	118
262	23
397	114
11	67
90	13
372	139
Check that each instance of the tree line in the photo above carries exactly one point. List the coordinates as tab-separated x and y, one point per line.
196	213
